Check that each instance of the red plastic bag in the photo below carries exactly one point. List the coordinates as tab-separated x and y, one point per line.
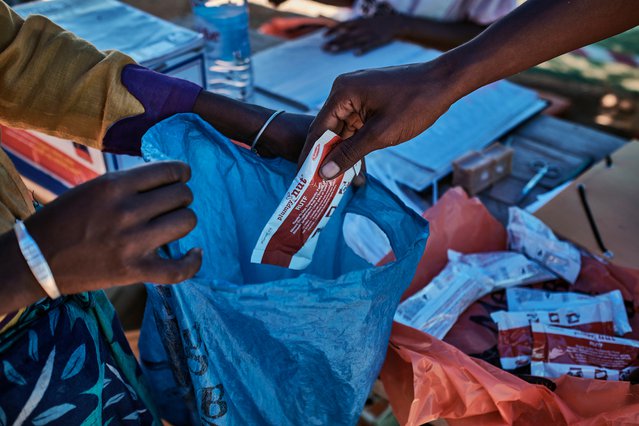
427	379
462	224
293	27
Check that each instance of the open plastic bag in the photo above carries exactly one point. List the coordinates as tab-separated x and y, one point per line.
426	378
255	344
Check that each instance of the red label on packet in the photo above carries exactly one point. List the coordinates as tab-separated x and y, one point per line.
515	340
290	236
558	351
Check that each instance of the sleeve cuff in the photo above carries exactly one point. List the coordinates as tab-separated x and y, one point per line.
161	96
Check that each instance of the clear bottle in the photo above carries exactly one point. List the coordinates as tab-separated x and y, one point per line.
225	26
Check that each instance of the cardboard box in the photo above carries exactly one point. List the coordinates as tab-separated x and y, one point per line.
612	193
476	171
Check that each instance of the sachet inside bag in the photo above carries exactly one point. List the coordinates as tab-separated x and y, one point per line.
245	343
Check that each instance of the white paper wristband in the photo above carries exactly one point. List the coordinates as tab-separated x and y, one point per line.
36	261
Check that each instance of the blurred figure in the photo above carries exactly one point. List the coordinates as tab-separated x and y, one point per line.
440	24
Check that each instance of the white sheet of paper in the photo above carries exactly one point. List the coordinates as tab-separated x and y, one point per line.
301	70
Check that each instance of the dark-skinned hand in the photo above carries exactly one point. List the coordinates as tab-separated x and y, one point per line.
377	108
373	109
106	232
363	34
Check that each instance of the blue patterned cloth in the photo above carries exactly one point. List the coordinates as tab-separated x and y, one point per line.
67	362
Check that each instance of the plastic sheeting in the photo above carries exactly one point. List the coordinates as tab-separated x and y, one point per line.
249	344
426	378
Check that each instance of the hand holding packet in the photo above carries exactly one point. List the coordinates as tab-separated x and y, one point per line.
254	344
290	235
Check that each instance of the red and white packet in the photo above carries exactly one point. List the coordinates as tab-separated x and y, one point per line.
529	299
558	351
515	339
290	236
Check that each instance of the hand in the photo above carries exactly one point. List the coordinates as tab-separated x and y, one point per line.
364	34
374	109
285	136
105	232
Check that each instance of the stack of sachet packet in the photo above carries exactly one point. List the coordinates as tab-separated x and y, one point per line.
566	333
552	333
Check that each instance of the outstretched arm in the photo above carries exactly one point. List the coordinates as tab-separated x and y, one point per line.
55	82
52	81
374	109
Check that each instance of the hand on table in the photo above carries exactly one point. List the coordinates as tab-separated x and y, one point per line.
105	233
374	109
363	34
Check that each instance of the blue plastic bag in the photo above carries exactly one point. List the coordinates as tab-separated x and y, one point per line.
252	344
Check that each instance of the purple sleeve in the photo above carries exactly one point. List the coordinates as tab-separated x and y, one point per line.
161	95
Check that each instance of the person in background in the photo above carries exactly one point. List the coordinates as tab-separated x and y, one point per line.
63	355
440	24
376	108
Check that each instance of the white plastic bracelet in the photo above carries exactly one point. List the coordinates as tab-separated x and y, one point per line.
259	134
36	261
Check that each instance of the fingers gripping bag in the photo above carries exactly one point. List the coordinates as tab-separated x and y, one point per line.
247	343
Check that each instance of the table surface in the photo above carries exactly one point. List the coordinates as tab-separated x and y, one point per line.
560	143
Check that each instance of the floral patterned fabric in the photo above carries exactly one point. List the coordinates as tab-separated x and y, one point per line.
67	362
